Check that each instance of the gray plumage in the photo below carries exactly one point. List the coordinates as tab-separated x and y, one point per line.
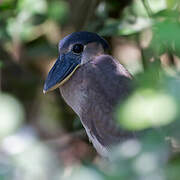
93	92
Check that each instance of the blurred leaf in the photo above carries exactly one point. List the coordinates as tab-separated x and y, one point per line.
11	115
110	27
172	4
58	11
172	85
7	5
153	75
145	109
126	27
81	173
139	9
166	37
172	169
167	14
37	162
1	64
21	26
102	10
156	5
7	167
32	6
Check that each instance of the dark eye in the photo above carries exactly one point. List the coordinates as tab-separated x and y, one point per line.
78	48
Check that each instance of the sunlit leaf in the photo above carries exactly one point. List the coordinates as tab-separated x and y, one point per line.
139	9
21	27
127	28
32	6
156	5
145	109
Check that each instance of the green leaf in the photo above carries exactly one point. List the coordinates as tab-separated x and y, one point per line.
32	6
58	10
125	27
167	14
156	5
1	64
173	4
145	109
110	27
7	5
128	28
166	37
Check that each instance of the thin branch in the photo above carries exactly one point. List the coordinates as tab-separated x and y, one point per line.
147	7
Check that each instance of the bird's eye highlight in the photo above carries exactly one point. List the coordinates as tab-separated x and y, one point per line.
78	48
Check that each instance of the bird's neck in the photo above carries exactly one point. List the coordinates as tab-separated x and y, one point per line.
73	91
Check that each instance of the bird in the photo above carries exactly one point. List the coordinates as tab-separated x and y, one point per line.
92	83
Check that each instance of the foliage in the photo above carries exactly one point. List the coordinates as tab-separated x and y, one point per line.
32	124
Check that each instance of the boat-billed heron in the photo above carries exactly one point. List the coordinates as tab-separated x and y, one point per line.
92	84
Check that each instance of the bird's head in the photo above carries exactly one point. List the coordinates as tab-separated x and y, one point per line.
75	50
